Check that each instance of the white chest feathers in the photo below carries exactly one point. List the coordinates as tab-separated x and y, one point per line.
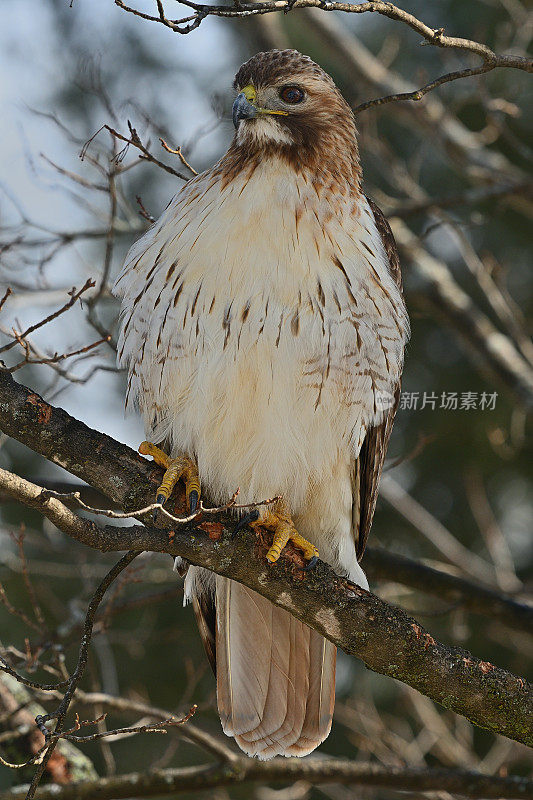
262	329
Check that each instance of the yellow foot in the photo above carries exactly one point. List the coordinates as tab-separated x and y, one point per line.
175	468
279	520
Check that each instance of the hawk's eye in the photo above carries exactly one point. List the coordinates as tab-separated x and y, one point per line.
291	94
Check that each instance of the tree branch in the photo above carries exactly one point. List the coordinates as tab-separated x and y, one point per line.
449	588
418	94
432	36
60	713
214	745
408	208
384	637
497	351
315	771
437	120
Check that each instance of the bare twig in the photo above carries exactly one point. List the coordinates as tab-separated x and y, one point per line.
70	734
214	745
432	36
140	512
177	152
60	713
143	212
418	94
74	296
56	358
134	140
4	298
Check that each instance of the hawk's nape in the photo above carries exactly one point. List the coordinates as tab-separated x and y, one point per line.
263	326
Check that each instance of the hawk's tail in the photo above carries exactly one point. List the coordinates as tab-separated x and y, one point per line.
275	675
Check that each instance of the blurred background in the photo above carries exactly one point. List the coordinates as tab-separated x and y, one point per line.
452	173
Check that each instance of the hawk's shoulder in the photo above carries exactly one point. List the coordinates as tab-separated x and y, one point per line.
388	240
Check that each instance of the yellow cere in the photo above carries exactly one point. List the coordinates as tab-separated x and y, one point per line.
250	94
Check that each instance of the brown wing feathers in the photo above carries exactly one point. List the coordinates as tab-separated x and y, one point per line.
368	470
368	467
206	619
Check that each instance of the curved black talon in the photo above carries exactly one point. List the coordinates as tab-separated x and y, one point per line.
311	564
193	501
159	499
251	516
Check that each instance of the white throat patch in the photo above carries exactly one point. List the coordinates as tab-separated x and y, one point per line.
262	130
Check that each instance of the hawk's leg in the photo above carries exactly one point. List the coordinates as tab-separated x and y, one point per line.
280	522
175	468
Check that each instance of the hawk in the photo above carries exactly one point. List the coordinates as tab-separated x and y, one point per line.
264	328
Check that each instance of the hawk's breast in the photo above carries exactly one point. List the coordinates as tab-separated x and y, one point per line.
262	329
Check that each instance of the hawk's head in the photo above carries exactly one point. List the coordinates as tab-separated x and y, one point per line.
287	104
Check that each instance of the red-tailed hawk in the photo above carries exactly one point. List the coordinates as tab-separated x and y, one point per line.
264	330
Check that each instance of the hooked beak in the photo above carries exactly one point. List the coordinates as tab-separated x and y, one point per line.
242	109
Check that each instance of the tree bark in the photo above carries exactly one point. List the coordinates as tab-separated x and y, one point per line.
383	636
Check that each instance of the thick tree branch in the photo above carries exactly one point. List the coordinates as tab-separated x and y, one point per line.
315	771
109	466
129	480
384	637
378	563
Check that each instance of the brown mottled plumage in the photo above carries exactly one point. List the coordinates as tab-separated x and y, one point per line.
264	330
